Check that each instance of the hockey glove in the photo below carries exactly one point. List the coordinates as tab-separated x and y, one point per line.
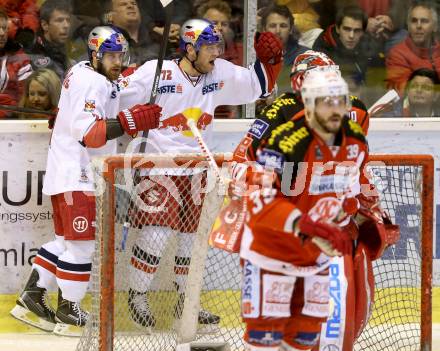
330	238
140	118
268	47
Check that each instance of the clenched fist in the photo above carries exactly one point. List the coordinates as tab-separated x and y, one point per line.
268	47
140	118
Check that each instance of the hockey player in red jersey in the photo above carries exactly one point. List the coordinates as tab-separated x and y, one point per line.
285	108
294	228
289	105
88	123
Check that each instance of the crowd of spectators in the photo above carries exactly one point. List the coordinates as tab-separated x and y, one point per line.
378	44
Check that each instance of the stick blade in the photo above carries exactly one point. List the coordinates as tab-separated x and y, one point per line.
165	3
391	97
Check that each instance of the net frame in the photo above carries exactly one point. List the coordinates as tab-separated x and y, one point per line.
112	163
426	162
105	219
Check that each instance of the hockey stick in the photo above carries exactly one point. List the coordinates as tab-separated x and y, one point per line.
26	110
160	58
143	144
187	328
206	151
391	97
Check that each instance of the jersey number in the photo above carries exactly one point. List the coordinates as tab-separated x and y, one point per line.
166	74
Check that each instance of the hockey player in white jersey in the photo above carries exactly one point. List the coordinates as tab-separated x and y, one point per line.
189	88
88	123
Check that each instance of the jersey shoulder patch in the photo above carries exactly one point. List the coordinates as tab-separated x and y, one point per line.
357	103
283	108
292	139
353	129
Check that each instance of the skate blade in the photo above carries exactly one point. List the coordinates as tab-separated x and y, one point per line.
208	329
29	317
67	330
202	329
140	327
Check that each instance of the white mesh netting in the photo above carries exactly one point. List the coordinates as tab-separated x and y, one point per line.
395	322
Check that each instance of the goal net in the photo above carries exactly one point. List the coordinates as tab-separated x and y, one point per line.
401	318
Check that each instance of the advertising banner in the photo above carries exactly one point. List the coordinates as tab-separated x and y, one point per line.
26	214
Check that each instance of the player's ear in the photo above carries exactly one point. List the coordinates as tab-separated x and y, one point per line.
94	59
191	51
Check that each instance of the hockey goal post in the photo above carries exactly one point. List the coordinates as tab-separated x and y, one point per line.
401	318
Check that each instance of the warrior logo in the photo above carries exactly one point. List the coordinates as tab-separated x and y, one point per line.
80	224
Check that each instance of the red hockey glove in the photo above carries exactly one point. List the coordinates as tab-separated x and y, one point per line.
336	241
140	118
268	47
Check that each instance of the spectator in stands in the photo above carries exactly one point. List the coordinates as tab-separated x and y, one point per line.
153	16
306	20
219	12
421	96
386	20
23	20
50	49
41	92
346	43
15	67
278	20
420	49
125	14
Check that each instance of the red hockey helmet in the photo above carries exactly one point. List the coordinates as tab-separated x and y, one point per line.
307	61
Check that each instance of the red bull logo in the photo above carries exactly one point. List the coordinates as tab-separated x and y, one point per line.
178	123
89	105
94	43
191	35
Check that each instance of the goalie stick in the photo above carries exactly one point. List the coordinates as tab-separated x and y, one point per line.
391	97
143	144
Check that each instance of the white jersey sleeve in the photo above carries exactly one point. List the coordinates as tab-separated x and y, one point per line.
248	84
136	88
90	106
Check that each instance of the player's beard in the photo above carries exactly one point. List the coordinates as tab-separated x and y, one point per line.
112	73
327	124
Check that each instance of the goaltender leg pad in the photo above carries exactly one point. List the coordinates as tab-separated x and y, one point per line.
338	330
77	212
228	227
364	282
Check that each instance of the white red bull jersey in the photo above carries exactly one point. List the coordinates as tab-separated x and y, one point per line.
85	97
182	99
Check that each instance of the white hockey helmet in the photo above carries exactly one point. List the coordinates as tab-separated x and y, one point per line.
198	32
321	84
107	39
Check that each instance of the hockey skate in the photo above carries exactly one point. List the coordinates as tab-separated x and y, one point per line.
208	323
70	317
140	311
33	306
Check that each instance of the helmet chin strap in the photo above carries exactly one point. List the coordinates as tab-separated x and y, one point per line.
193	63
